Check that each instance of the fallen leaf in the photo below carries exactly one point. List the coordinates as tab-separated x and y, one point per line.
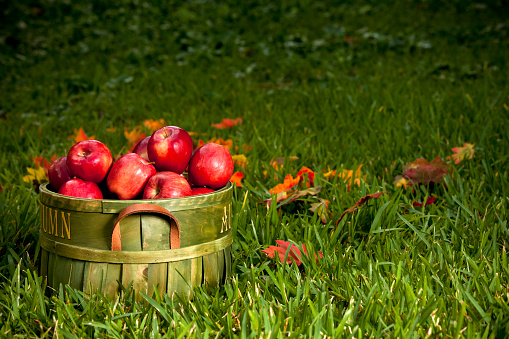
400	180
294	253
80	135
429	201
287	197
307	175
288	183
462	153
154	125
279	162
44	163
239	160
134	136
421	171
38	174
228	123
360	203
349	176
321	208
236	178
226	143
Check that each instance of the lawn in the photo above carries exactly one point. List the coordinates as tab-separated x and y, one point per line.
362	88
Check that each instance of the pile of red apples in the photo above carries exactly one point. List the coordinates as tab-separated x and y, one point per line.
154	170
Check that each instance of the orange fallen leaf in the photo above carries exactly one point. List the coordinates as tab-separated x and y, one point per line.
288	183
279	162
236	178
226	143
348	176
400	180
307	175
228	123
80	135
462	153
154	125
287	197
360	203
134	136
294	253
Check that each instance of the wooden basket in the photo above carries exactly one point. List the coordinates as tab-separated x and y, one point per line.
170	245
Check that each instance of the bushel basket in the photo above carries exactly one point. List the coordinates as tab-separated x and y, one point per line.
170	245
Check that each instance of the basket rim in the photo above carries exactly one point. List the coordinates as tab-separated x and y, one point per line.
51	198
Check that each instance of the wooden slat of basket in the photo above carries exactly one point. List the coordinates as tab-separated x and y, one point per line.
137	274
130	233
179	279
43	265
94	274
61	271
77	271
157	277
228	261
210	270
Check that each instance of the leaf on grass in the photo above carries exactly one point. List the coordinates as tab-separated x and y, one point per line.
288	183
154	125
134	136
279	162
349	176
462	153
287	197
294	255
400	180
321	208
228	123
226	143
35	174
307	175
239	160
44	163
80	135
429	201
421	171
236	178
360	203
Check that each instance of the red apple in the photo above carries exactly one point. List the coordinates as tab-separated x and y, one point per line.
129	175
211	165
81	189
170	149
201	190
165	185
57	173
141	148
89	160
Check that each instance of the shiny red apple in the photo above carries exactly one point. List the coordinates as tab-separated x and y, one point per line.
211	166
129	175
165	185
170	149
57	173
81	189
89	160
201	190
141	148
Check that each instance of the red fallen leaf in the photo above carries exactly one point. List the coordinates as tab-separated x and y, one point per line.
80	135
236	178
421	171
429	201
226	143
228	123
294	254
306	172
321	208
360	203
1	188
286	197
44	163
462	153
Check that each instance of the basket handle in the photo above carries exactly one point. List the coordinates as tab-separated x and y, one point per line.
116	244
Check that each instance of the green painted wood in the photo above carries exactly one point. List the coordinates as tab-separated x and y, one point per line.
61	271
179	279
228	262
51	266
210	270
77	271
157	278
220	266
130	233
43	263
138	275
196	272
94	274
155	232
113	277
125	257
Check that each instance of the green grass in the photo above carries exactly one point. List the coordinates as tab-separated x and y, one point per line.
357	82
